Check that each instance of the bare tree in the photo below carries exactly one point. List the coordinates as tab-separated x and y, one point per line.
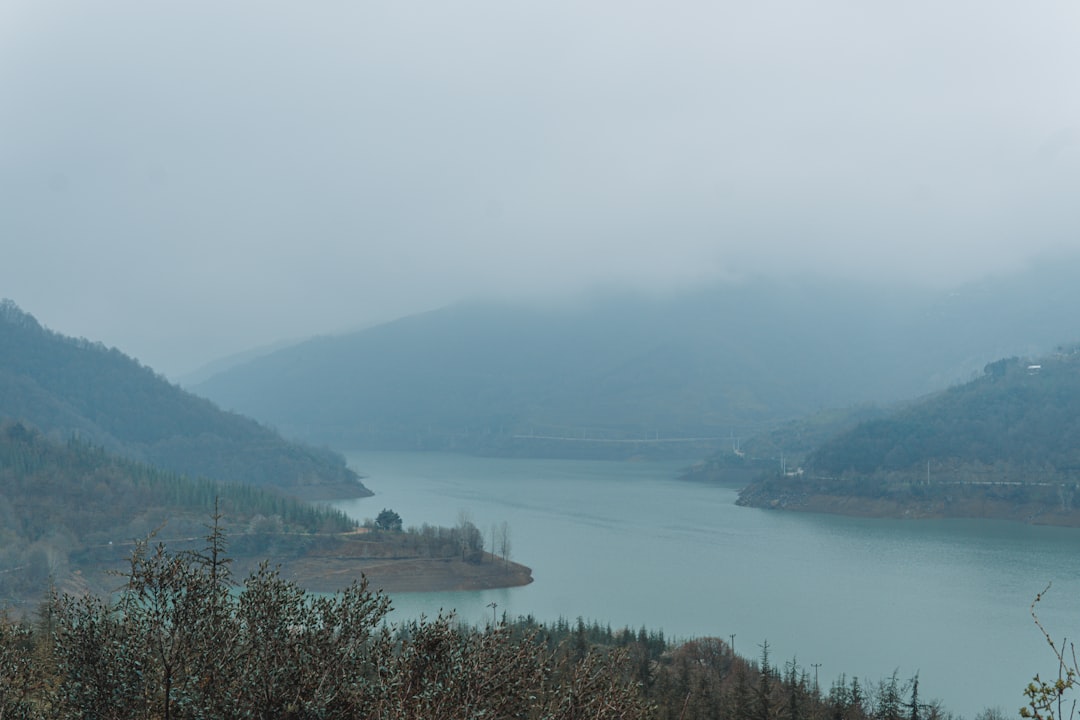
504	543
1051	700
470	538
464	522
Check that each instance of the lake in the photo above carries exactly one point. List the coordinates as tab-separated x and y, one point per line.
630	545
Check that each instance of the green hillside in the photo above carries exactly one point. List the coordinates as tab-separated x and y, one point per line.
1002	445
786	444
65	508
72	387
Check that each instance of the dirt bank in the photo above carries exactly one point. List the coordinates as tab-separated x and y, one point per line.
325	563
329	574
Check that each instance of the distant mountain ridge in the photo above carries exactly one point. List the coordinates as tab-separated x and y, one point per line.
621	375
72	387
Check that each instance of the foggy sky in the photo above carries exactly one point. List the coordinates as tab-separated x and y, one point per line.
185	180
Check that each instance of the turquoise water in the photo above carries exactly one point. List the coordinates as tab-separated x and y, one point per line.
627	543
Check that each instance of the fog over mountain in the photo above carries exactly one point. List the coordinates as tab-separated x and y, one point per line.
614	376
189	181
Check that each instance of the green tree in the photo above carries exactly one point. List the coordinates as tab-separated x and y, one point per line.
23	671
180	641
763	695
914	706
889	701
388	520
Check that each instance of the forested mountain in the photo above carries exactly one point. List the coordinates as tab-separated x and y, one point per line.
72	387
1021	413
66	507
1000	445
620	374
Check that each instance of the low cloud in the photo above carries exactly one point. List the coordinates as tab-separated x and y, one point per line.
192	179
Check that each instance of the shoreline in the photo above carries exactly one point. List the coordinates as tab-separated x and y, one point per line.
322	564
980	508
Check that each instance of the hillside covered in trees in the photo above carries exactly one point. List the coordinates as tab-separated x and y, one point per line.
776	447
68	511
623	374
1002	445
71	387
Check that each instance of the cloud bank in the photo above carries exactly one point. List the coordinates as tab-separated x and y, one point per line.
185	180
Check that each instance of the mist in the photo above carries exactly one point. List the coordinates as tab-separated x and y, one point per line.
189	181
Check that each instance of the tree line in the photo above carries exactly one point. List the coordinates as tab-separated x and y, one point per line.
182	638
435	541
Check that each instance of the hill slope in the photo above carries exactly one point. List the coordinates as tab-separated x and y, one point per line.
65	508
616	374
71	387
1003	445
785	445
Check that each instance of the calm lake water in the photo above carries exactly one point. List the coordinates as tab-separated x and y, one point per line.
628	544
